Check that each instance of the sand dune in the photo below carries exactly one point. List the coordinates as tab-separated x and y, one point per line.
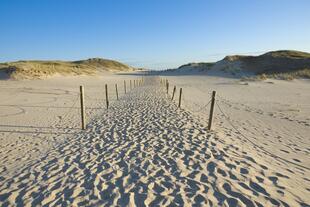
35	69
144	151
283	64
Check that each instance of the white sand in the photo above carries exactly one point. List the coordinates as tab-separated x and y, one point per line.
144	150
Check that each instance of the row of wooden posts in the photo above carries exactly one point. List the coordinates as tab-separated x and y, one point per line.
135	84
165	83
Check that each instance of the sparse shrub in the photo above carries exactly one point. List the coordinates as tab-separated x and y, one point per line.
263	76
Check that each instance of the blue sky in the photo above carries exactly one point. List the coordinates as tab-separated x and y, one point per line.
150	33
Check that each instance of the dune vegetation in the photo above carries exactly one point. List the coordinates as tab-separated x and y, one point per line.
283	64
42	69
290	75
285	61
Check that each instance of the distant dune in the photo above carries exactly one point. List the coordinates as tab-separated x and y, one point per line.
43	69
285	64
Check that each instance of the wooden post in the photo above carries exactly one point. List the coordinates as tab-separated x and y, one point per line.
130	85
106	95
167	87
180	97
116	91
211	110
134	83
125	86
82	107
174	88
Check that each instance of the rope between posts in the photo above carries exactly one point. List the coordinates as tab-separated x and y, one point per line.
93	111
200	107
272	155
65	114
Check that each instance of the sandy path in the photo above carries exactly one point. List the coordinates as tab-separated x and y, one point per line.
36	115
145	151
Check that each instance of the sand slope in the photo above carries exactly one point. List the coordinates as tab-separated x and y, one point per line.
282	64
146	151
32	69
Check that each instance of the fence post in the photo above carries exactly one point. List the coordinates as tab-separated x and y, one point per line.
106	95
116	91
134	83
167	85
130	85
174	88
82	107
211	110
180	97
125	86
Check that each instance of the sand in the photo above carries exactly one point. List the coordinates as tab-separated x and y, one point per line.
146	151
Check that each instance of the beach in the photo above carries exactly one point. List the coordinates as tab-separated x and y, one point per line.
144	150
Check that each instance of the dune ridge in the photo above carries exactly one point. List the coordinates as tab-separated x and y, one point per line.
285	64
42	69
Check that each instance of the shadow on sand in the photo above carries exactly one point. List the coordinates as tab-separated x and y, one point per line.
37	130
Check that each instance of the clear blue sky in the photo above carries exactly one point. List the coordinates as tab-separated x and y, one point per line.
150	33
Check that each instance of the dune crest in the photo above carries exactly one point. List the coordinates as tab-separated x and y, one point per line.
42	69
282	64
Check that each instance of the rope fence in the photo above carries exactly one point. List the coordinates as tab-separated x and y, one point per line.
221	100
68	107
94	111
90	109
187	104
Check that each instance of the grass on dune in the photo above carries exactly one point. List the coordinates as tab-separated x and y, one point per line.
42	69
304	73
